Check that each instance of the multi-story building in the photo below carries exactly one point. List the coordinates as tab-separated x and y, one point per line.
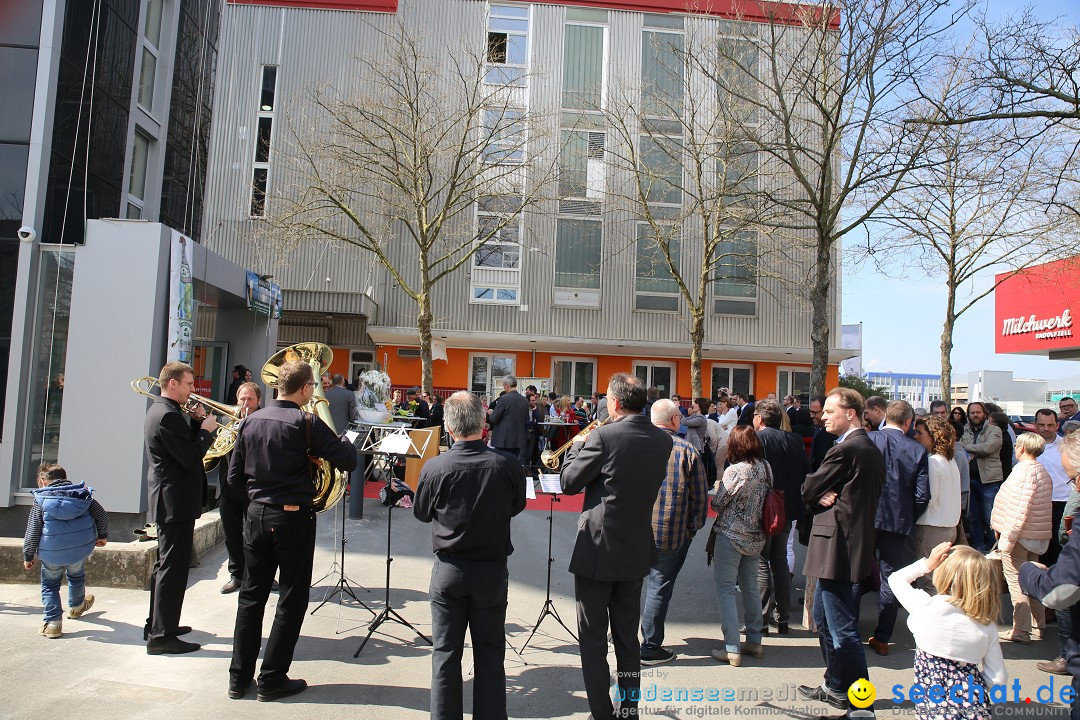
566	298
918	389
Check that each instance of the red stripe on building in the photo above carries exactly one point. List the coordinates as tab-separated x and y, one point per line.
386	6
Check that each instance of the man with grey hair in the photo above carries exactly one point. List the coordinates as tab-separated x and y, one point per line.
679	512
509	418
469	578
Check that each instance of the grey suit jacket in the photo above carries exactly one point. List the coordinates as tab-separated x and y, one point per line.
342	407
621	467
508	421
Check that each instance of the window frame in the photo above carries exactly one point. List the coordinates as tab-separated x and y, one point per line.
573	360
730	366
605	57
256	164
490	65
676	293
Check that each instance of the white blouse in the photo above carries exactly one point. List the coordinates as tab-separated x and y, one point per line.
728	420
944	507
942	629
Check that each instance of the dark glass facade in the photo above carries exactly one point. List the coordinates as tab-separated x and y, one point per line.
20	33
102	92
188	142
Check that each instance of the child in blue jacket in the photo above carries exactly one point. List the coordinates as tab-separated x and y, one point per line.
64	526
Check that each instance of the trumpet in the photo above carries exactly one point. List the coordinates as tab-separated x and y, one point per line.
224	435
551	459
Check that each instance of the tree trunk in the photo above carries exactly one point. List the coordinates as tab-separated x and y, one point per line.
819	328
947	345
423	326
697	336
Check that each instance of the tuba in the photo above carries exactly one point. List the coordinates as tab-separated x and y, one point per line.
329	482
224	436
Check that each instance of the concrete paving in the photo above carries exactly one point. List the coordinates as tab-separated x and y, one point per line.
99	668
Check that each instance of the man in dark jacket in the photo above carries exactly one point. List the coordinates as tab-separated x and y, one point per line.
508	419
822	439
1058	587
843	493
785	455
175	445
620	467
903	499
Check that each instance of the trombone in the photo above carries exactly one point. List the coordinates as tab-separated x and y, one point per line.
224	436
552	459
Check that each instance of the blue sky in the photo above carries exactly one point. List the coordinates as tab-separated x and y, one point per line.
902	317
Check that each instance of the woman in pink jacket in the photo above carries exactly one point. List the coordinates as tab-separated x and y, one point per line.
1022	520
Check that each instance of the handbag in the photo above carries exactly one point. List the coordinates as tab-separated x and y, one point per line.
773	515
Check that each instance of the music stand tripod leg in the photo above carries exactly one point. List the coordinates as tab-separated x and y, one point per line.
549	605
342	587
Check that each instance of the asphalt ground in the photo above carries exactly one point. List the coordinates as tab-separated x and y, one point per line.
100	669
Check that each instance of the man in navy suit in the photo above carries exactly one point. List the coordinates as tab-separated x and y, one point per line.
746	412
903	499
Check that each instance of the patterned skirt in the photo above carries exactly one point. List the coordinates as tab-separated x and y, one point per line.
932	670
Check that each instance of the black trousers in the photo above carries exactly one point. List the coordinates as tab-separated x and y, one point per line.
232	506
468	593
1050	557
894	551
169	581
273	538
620	602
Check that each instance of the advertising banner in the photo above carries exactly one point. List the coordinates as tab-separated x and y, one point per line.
851	339
181	301
1035	309
263	296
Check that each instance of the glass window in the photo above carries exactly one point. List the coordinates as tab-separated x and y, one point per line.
18	67
653	274
269	88
583	68
573	377
662	73
134	212
495	295
479	373
577	253
739	64
661	169
262	140
507	45
660	376
573	164
258	192
152	26
735	267
13	159
739	168
496	255
146	79
140	151
735	379
504	136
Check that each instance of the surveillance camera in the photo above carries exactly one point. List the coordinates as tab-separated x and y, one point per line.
27	233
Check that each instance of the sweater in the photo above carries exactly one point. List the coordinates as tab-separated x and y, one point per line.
944	630
944	507
1022	508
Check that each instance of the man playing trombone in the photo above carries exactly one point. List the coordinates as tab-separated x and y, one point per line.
175	445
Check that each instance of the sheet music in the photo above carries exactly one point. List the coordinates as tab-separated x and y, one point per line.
549	483
395	444
530	489
351	436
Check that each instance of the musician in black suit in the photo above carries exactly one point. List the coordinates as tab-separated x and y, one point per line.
785	454
508	419
843	494
620	467
175	445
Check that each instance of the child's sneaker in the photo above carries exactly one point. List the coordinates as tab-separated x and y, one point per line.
52	630
87	603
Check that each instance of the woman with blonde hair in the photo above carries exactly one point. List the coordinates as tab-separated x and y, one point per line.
954	631
938	522
1022	519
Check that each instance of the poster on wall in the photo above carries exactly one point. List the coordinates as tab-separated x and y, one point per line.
263	296
181	301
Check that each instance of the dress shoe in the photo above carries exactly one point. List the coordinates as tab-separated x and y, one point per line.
285	689
783	628
820	694
752	649
732	659
881	648
170	646
657	657
238	690
230	587
1055	666
181	630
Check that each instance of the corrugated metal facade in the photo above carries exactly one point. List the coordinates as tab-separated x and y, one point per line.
319	48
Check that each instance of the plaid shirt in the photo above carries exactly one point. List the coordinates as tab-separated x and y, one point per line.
681	504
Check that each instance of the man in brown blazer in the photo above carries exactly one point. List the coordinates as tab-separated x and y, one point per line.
843	494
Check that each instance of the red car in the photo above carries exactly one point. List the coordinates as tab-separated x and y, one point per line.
1022	423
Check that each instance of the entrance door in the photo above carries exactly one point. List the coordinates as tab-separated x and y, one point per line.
660	375
211	371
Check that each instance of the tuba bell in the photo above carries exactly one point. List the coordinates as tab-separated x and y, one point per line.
329	482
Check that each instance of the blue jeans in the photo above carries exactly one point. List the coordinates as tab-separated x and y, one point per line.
658	588
51	575
980	507
838	632
731	566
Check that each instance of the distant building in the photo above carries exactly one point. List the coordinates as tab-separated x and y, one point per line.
1015	396
918	389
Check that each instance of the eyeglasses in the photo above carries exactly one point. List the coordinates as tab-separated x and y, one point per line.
311	384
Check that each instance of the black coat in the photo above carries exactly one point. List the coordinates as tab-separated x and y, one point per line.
746	415
1058	588
508	421
175	445
842	539
787	458
621	467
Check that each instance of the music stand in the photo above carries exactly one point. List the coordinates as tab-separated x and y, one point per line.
392	441
550	485
342	587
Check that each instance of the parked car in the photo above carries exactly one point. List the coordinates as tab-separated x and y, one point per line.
1022	423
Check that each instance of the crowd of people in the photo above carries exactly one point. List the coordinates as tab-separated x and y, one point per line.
882	495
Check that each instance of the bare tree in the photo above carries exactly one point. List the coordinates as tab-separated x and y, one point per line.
833	83
976	206
694	183
435	159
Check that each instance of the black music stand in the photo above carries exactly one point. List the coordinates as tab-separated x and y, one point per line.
549	605
343	586
393	441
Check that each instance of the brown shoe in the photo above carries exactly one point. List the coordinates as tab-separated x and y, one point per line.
881	648
1055	666
1007	636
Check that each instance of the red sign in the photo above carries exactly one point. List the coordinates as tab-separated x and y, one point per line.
1035	309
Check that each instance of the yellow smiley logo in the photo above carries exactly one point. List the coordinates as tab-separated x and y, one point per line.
862	693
